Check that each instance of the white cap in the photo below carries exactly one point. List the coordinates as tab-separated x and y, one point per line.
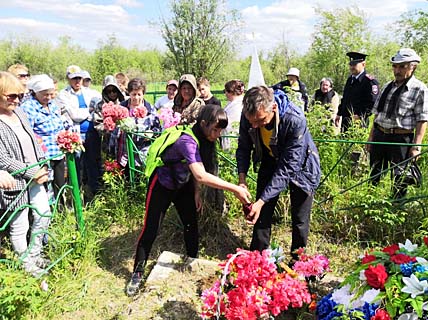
293	72
86	75
40	82
405	55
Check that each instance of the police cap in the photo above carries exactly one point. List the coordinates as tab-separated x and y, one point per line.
356	57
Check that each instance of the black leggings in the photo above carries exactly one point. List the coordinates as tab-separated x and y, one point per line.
158	201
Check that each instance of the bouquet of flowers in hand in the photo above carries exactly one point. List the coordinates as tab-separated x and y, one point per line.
69	141
169	118
113	114
256	285
140	112
387	284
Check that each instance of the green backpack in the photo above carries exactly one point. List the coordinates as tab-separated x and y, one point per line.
168	137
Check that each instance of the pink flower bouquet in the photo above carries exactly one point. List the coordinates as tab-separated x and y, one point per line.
113	113
169	118
69	142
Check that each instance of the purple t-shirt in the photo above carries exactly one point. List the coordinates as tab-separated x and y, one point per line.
175	173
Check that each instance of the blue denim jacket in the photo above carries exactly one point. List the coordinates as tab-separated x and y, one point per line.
294	151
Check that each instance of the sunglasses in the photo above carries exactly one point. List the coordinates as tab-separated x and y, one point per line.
108	91
14	96
23	75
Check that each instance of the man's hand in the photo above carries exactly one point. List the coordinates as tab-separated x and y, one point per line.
253	216
6	180
337	121
415	152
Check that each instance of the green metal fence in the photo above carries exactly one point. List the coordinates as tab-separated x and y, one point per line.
7	216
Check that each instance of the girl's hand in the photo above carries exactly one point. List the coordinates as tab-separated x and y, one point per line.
198	201
242	194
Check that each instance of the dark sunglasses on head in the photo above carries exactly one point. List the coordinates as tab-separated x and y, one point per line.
13	96
23	75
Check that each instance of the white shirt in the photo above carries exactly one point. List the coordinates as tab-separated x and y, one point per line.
164	102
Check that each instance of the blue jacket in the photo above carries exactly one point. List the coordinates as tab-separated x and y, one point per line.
294	151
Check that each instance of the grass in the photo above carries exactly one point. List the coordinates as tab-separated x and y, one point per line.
89	282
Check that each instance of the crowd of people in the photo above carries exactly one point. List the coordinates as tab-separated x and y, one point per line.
271	128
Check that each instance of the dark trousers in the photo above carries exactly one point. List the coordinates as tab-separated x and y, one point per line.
92	162
58	167
301	204
158	200
381	156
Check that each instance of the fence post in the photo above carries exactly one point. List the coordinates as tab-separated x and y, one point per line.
131	159
72	173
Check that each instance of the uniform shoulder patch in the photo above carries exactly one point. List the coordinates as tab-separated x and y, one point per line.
375	89
369	76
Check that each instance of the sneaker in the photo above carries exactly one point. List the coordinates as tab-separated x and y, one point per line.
41	262
33	269
134	284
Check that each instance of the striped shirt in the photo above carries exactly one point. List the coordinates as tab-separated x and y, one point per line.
45	123
412	106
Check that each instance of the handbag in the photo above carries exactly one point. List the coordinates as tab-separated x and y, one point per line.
409	174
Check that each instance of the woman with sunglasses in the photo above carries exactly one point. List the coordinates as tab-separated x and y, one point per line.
18	151
21	72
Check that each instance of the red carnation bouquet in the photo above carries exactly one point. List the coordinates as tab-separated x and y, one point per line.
69	142
258	285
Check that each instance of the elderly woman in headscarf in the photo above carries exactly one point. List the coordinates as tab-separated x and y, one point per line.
18	151
187	101
45	119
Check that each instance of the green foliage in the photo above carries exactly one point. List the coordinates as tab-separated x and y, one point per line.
199	35
413	30
19	293
337	32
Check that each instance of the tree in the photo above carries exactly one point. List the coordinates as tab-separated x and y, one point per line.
337	32
413	30
199	36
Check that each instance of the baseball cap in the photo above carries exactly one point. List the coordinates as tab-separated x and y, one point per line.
74	72
86	75
172	82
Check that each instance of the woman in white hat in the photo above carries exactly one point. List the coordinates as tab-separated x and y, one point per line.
45	120
294	83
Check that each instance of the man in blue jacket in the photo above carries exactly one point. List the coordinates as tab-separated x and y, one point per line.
275	131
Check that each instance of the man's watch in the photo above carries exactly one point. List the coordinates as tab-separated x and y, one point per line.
417	148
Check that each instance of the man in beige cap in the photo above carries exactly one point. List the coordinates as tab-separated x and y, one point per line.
401	115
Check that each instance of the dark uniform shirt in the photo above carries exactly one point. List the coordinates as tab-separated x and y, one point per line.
359	96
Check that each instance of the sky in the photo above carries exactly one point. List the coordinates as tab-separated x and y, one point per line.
135	23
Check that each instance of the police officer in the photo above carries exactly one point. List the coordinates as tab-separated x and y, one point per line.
359	94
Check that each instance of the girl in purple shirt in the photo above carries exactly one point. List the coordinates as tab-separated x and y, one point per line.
178	183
